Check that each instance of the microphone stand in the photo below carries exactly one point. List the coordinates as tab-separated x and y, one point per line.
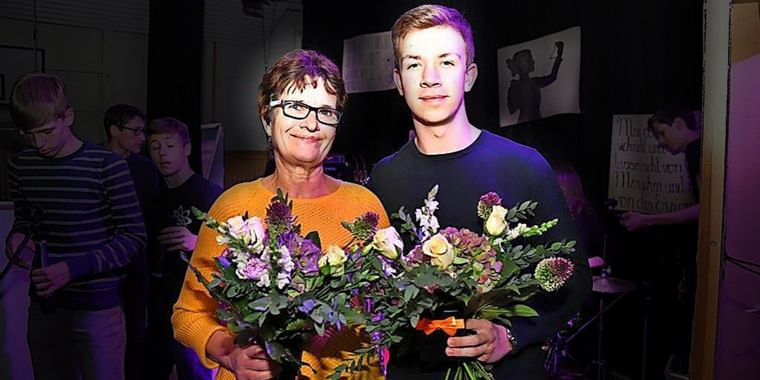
16	254
40	259
34	230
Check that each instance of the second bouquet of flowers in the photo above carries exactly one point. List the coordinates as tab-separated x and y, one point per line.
452	274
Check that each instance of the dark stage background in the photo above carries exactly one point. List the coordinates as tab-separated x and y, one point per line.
636	56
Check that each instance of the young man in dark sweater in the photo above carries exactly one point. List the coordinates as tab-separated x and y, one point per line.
435	66
124	125
173	230
92	226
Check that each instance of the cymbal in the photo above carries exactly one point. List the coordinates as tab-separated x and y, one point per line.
604	284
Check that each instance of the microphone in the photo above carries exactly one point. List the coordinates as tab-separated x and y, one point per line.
41	261
610	204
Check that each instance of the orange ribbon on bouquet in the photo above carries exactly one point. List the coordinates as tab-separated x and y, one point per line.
449	325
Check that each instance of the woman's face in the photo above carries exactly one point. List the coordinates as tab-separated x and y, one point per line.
305	142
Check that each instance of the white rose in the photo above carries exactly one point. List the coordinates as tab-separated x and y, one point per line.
496	222
334	257
254	231
235	225
440	251
388	242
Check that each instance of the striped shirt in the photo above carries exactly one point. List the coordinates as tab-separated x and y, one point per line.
92	218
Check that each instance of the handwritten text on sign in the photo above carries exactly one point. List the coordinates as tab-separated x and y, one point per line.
368	63
645	177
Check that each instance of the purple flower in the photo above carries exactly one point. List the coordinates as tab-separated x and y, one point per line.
279	218
255	269
224	262
364	227
486	203
370	218
552	273
377	317
307	260
307	306
415	257
490	199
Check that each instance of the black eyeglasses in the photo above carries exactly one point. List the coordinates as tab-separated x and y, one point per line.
136	131
299	111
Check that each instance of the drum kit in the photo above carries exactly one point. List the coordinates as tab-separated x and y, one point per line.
557	346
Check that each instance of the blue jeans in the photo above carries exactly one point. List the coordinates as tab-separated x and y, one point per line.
77	344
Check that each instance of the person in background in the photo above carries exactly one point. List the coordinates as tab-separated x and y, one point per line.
434	68
301	100
677	130
93	227
124	125
173	230
593	230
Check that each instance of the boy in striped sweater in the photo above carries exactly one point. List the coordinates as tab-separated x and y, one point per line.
93	227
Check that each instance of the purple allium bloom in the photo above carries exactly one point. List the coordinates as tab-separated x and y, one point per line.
486	203
364	227
279	216
552	273
376	336
370	218
490	199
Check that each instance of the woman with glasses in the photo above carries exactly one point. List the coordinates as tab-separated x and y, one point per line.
301	99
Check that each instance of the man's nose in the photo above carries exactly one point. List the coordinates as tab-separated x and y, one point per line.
430	77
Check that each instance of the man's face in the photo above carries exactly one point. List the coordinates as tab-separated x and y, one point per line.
131	135
670	136
49	138
433	74
169	153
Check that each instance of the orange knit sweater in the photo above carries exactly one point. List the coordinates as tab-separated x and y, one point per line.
193	319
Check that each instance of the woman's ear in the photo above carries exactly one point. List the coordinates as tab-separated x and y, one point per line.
267	127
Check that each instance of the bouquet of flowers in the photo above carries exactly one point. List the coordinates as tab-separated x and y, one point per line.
457	273
276	287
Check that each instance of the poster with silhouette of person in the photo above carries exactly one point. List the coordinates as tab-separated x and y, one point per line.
539	78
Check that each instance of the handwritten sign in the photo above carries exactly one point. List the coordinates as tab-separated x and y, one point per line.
368	63
644	176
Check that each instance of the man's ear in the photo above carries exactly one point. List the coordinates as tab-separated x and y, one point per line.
113	129
267	127
188	148
679	123
470	76
397	80
68	116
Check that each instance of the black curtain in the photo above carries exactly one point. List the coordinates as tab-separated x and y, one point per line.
174	66
636	55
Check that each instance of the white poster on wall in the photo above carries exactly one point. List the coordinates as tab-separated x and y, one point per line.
539	78
644	176
368	63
